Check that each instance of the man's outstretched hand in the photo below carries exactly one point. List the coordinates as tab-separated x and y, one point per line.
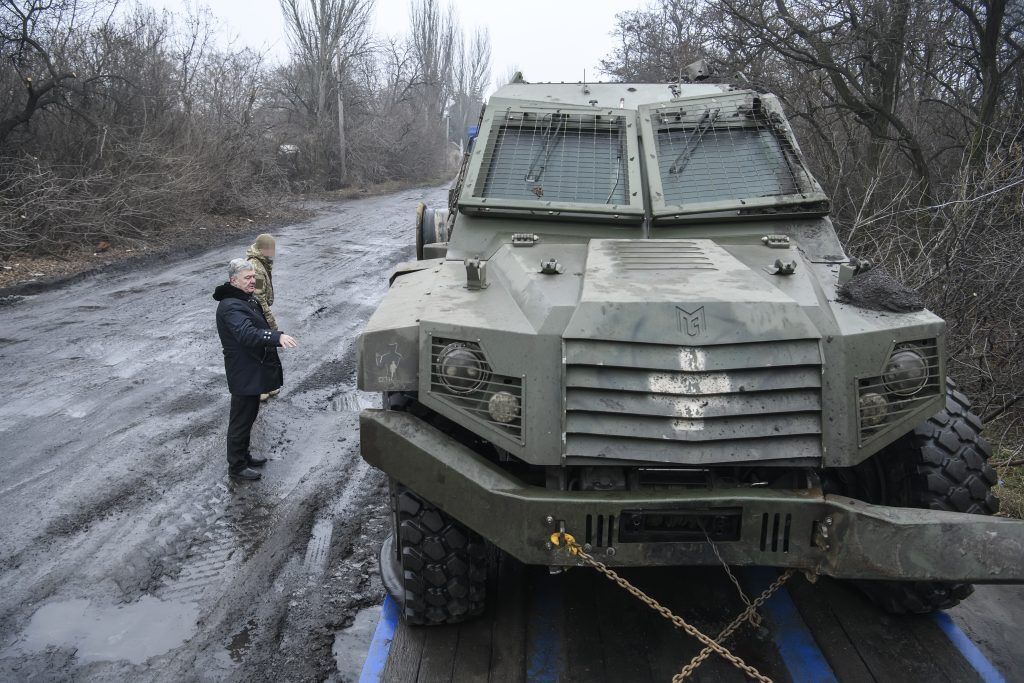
288	342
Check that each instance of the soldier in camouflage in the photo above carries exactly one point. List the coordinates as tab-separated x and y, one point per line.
261	256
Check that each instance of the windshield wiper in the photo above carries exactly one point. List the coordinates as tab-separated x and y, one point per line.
548	137
693	142
618	172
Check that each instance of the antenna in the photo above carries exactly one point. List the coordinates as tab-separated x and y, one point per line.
586	89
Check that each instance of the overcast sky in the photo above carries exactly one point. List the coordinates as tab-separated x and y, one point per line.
548	40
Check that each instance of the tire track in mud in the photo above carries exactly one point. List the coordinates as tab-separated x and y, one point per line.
227	529
318	550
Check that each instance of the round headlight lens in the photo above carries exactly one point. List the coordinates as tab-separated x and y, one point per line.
906	373
461	369
503	407
873	409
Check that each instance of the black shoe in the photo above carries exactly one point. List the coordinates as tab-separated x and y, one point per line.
245	474
253	461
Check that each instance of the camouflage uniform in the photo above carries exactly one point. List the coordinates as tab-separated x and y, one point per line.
264	282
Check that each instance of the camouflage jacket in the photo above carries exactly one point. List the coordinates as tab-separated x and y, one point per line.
264	282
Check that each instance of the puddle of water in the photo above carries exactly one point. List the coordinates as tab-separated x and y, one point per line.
352	643
133	632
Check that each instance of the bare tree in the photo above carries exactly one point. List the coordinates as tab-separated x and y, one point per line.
656	43
325	35
26	27
470	79
860	47
994	48
435	36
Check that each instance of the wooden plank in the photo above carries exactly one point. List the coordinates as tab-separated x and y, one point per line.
623	634
705	598
437	662
545	626
933	644
404	657
508	623
611	636
473	656
584	614
833	641
904	648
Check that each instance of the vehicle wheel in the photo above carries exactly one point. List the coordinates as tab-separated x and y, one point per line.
430	227
443	563
941	465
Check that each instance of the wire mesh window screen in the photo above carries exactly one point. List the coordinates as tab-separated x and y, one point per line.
723	151
557	157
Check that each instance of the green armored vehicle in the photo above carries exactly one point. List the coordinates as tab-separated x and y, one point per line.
634	323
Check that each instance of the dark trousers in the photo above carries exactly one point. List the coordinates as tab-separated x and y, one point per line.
243	414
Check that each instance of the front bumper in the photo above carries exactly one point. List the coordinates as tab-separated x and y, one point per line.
804	529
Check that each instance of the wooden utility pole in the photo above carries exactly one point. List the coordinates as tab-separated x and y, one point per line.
342	163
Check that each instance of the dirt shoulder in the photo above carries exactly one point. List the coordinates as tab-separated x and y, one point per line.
28	274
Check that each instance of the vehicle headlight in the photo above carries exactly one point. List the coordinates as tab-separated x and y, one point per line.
503	407
462	377
461	369
906	373
873	409
909	379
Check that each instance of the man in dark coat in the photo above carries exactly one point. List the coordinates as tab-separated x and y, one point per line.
251	362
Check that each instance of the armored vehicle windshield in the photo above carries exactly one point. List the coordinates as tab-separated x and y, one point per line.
548	161
558	156
730	152
734	151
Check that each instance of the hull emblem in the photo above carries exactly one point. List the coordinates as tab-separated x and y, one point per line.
692	322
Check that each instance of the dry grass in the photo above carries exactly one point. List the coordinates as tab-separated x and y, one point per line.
1010	491
1007	437
185	236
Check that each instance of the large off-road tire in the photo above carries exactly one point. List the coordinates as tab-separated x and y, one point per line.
443	563
941	465
431	227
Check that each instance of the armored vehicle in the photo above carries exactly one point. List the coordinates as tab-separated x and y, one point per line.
630	325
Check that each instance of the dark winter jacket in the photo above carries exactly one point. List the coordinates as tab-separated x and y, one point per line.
250	346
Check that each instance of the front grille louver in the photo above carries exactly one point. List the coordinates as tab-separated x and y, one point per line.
692	405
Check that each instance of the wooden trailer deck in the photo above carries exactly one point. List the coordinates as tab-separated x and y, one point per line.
578	626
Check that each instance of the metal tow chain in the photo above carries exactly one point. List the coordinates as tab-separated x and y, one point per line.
561	538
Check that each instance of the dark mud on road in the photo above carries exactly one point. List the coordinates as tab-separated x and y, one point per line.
125	552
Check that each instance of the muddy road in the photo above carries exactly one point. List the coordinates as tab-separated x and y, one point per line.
127	554
125	551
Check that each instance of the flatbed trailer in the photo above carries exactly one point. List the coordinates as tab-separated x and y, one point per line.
578	626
